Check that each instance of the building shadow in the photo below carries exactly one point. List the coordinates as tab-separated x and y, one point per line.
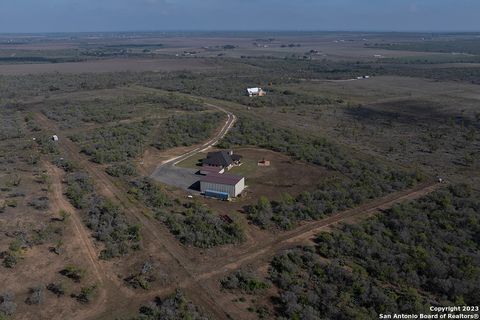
195	186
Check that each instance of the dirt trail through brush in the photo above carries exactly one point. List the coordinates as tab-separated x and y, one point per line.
81	240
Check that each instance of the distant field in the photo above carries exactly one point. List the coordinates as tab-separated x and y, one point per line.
467	46
109	65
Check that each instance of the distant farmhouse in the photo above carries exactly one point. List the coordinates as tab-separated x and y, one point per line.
256	92
215	182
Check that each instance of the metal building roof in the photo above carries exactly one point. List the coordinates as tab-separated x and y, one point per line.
228	179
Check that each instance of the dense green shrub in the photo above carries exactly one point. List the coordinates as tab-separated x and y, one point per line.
79	189
56	288
39	203
313	289
114	144
169	101
173	307
65	164
10	123
121	169
7	304
110	226
103	217
73	272
10	259
430	244
36	295
186	130
150	193
406	259
198	226
195	225
244	282
71	114
86	294
126	141
47	145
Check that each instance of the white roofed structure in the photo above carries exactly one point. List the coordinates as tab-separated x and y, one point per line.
254	92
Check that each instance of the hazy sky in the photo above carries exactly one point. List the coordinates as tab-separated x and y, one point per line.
138	15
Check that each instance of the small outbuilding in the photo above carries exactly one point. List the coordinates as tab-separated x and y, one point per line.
55	137
256	92
264	163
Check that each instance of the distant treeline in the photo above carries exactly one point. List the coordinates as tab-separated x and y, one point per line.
38	60
135	45
466	46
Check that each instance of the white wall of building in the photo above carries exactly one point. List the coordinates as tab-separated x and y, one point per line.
233	191
239	187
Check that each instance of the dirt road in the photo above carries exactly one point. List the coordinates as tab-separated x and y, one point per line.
82	239
231	119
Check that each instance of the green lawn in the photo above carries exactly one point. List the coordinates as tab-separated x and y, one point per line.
248	167
192	161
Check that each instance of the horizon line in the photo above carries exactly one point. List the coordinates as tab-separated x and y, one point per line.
241	30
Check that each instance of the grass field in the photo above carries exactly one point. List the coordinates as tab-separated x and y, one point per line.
248	167
193	162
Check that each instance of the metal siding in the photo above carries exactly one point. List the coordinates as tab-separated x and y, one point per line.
239	187
204	186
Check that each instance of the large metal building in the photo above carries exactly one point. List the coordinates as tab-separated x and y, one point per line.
222	183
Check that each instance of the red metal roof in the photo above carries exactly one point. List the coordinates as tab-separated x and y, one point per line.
228	179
